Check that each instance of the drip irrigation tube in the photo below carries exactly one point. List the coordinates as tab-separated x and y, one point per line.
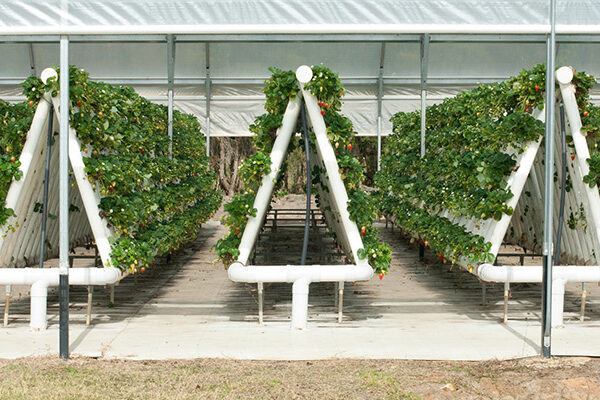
46	184
561	215
308	183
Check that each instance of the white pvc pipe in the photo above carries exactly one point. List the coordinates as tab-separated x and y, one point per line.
265	192
28	155
282	29
515	183
41	279
337	190
89	198
301	276
560	276
564	77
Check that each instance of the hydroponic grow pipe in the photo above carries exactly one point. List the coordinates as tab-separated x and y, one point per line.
564	76
563	182
265	191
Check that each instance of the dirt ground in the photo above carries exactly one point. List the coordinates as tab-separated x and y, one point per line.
531	378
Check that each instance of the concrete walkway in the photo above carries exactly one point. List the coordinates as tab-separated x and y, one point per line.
189	309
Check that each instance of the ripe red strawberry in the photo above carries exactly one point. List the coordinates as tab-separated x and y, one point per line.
237	230
31	103
363	231
323	112
380	277
426	243
326	105
572	156
320	104
85	151
537	88
349	147
12	159
585	114
143	269
79	104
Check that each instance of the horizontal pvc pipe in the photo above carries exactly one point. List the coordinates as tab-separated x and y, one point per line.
241	29
265	192
290	273
41	279
533	273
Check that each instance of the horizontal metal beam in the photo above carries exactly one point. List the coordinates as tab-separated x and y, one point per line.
290	38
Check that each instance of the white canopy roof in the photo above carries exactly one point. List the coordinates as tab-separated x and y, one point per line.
293	16
223	48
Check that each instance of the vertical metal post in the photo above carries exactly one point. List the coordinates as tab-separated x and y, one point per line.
260	302
7	304
207	89
32	70
379	103
170	81
46	185
548	189
64	201
424	64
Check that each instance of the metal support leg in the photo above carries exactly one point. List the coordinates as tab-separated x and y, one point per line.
340	301
583	298
111	296
7	305
506	294
483	293
88	317
260	302
335	294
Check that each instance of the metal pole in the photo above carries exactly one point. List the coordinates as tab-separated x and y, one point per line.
424	63
308	183
548	189
171	79
46	184
64	201
207	87
379	105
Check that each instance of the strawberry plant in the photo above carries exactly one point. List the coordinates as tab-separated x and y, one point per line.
472	143
279	90
15	120
153	200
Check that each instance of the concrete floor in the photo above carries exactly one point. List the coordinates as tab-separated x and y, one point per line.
189	309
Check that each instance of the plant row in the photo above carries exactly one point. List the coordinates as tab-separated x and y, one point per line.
155	191
15	120
279	90
473	141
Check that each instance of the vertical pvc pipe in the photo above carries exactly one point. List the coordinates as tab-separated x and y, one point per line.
300	303
64	201
548	190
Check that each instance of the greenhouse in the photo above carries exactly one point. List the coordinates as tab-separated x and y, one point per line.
379	165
